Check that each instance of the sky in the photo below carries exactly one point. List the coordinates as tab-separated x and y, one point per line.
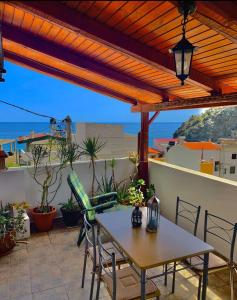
57	98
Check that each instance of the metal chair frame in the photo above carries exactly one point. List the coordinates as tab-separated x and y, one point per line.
191	213
229	230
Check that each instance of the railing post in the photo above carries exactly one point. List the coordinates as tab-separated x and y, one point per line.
143	148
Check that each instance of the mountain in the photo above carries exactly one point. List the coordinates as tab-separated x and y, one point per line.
210	125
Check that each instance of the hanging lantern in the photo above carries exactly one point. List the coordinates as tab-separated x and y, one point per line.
2	70
153	214
183	51
136	217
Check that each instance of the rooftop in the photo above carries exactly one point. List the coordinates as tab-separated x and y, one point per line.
201	146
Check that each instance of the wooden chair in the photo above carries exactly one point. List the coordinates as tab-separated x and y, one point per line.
189	213
91	251
123	283
225	231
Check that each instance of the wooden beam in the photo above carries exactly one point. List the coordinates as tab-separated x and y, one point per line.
143	149
201	102
59	74
75	21
74	58
152	119
218	15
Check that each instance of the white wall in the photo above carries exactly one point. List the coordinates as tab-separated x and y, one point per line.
16	185
217	195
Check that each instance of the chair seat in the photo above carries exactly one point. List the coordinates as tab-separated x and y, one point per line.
111	249
128	285
215	262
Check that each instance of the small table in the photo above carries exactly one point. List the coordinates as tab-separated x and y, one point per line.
148	250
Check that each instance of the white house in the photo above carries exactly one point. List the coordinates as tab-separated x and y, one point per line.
193	155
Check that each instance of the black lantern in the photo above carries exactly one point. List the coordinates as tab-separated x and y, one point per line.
136	217
153	214
183	51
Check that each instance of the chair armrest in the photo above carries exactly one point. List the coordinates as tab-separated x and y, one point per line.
104	198
100	206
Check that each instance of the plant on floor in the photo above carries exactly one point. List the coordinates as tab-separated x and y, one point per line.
91	147
9	226
106	183
48	162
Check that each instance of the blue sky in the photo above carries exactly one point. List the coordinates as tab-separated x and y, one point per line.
58	98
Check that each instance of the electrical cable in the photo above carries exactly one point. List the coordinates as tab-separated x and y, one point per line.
26	110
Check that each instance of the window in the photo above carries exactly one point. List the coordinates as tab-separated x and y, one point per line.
234	156
224	170
217	166
232	170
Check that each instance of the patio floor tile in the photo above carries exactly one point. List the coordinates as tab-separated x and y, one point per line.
49	267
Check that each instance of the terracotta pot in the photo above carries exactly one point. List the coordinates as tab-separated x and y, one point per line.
7	243
43	221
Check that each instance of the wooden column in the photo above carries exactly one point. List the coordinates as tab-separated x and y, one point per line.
143	148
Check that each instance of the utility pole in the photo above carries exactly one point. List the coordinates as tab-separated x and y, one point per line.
68	123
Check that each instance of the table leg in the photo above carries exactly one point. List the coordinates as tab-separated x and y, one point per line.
143	284
205	275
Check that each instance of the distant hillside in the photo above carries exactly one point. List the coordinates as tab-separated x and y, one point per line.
212	124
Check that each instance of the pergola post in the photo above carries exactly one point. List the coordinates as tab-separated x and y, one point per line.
143	148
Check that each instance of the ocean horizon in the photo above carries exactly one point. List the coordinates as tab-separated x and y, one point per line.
12	130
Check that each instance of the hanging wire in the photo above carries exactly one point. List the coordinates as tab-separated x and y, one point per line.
27	110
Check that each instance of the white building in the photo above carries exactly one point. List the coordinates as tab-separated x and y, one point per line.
228	160
117	143
193	155
216	159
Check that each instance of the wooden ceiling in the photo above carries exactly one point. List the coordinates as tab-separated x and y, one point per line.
120	48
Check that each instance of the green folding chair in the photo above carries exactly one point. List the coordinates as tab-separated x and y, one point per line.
89	206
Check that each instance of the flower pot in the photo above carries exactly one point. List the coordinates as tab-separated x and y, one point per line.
70	217
43	221
7	242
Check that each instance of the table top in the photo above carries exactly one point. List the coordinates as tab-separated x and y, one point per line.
147	250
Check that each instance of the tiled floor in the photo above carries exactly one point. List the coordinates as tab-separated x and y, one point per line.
49	267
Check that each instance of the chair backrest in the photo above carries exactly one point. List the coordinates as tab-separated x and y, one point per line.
221	229
107	263
189	212
80	194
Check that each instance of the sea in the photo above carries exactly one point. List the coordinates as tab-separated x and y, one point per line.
12	130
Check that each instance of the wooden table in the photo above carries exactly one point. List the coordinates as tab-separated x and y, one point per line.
148	250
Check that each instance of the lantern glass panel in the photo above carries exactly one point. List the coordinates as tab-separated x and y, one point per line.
178	61
187	61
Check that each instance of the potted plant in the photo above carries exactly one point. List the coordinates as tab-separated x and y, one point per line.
135	194
70	210
9	227
48	162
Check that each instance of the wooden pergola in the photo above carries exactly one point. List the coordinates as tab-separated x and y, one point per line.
120	49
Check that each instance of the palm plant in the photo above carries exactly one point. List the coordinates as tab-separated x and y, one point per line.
90	148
